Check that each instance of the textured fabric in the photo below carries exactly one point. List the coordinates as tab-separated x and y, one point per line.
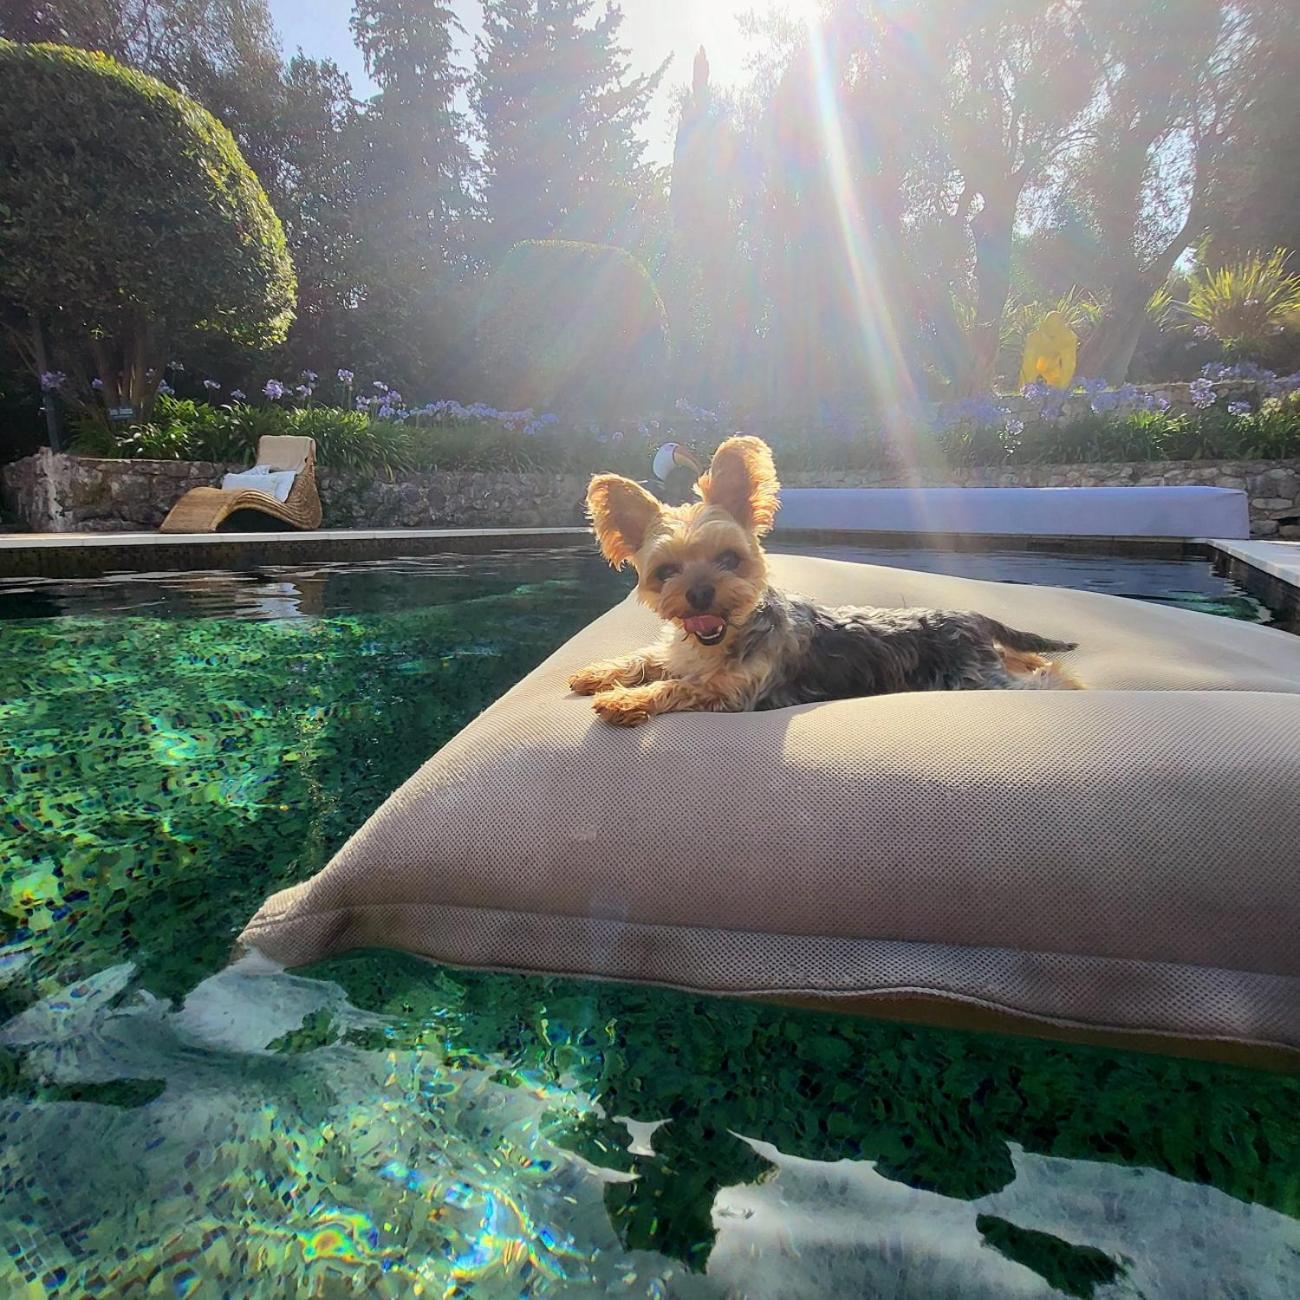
274	483
1120	859
284	450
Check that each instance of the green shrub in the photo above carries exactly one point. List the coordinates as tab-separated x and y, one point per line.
1246	306
128	216
352	440
575	328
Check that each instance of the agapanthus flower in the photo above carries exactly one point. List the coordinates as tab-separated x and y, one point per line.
177	366
310	376
346	377
616	436
1238	408
380	386
52	380
165	388
274	389
97	383
212	385
304	390
1014	426
237	395
1201	392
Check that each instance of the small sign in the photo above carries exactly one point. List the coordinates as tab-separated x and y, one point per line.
121	412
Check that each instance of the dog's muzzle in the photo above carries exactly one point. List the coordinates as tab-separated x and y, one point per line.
707	629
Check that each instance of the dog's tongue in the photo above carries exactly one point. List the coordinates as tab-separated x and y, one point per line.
703	624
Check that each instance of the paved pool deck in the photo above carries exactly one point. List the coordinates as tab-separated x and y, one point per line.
1280	560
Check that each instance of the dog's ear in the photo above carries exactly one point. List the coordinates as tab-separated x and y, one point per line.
621	513
742	480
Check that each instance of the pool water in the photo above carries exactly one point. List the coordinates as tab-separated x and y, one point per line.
175	747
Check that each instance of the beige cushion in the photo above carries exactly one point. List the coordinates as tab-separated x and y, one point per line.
284	451
1121	860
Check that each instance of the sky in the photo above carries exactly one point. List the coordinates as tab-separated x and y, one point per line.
652	30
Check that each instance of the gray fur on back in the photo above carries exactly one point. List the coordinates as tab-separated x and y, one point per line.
819	653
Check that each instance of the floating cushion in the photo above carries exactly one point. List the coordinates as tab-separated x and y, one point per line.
1115	862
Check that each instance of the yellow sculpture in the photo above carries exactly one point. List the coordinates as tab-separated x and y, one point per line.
1051	353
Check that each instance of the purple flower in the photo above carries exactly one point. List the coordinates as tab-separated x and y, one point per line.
165	388
380	385
1014	426
274	389
237	395
363	403
346	377
303	390
97	383
616	436
310	376
211	385
52	380
1238	408
1201	392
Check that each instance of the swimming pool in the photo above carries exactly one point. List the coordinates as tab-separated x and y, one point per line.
173	748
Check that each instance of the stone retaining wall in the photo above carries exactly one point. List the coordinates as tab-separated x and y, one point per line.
49	493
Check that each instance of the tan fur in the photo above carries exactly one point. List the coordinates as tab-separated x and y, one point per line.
1038	670
714	544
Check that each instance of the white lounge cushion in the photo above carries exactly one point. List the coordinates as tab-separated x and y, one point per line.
277	483
1012	512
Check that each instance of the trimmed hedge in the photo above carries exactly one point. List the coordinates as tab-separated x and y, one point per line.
129	216
577	328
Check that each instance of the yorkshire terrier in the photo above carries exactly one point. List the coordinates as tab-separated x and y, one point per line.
732	643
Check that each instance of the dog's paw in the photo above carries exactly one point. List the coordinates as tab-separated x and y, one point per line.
622	708
593	678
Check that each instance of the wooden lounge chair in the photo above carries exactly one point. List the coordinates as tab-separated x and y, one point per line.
205	509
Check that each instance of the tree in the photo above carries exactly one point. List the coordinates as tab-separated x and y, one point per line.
1255	198
296	129
161	37
558	118
413	172
574	327
182	235
1176	80
704	279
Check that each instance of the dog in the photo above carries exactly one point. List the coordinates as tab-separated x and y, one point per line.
733	643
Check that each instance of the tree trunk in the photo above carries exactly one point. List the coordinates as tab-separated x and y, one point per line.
992	229
53	418
1108	351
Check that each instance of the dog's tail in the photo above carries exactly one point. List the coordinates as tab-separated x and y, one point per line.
1015	640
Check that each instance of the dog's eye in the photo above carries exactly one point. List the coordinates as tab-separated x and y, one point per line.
666	571
728	560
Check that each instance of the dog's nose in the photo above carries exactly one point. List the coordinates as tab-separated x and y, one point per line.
700	597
